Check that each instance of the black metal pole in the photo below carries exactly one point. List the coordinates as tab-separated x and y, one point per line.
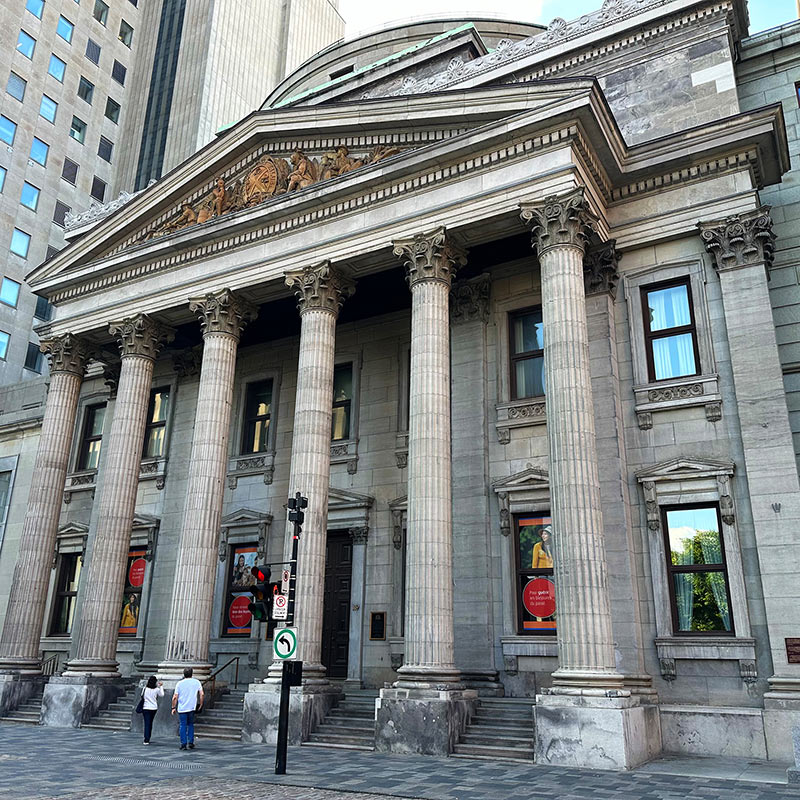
283	722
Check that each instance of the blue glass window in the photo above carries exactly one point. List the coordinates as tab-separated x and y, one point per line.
48	108
29	197
65	29
3	172
26	44
16	86
4	340
670	331
8	130
20	242
39	151
57	68
9	291
35	7
78	130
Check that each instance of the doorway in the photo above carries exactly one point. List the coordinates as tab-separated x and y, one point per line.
336	608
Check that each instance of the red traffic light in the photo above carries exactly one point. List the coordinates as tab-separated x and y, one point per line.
261	574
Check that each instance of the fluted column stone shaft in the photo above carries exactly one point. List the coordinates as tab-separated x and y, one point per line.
223	316
19	645
140	339
430	261
585	637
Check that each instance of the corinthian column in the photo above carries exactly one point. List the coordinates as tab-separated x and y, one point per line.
560	228
140	340
19	646
320	292
223	316
430	260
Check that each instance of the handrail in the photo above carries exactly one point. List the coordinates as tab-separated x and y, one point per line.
212	679
50	665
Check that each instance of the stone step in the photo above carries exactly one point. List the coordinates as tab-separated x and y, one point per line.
219	722
105	726
20	720
118	706
24	714
331	738
502	722
490	731
334	746
484	713
30	707
346	722
341	730
503	738
349	711
493	752
219	731
122	716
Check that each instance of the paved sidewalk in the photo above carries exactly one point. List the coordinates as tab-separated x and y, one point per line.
38	763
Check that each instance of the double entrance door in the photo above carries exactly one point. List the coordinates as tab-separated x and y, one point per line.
336	609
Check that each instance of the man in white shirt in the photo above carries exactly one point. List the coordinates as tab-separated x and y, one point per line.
186	699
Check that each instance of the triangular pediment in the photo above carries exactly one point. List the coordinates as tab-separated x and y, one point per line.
245	516
399	503
340	499
73	529
685	467
145	521
530	478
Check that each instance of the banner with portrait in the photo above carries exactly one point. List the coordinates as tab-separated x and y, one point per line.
132	596
536	591
238	618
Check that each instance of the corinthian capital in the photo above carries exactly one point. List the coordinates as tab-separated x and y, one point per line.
560	220
601	269
740	240
320	288
67	353
140	336
430	256
223	312
469	300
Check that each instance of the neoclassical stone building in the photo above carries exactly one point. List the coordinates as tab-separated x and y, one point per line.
498	302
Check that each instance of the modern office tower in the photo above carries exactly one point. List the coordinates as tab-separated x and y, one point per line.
101	96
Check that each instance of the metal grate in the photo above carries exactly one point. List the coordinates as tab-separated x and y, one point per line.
140	762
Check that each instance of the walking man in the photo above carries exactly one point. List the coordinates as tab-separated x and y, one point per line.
187	698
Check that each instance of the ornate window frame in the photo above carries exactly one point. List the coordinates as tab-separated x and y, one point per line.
71	539
155	469
399	511
403	397
701	389
85	480
345	451
684	481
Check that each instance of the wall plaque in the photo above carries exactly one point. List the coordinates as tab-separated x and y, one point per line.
793	651
377	625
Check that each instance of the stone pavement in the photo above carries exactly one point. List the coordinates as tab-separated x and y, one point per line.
42	764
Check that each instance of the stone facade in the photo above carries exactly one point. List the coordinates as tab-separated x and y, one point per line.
420	235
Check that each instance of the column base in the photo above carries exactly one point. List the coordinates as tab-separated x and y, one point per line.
308	706
69	701
415	676
91	668
586	729
16	688
422	721
172	671
570	679
781	717
21	666
484	681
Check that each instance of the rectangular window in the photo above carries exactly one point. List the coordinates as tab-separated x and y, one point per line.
536	594
5	493
16	86
39	151
78	130
9	292
238	620
526	345
93	51
5	338
105	149
35	7
118	72
66	600
155	432
696	570
125	33
60	213
29	196
20	242
257	415
100	12
8	130
92	438
85	90
3	173
56	68
26	44
132	597
98	189
797	92
342	398
112	110
48	108
34	359
43	309
69	172
669	330
65	29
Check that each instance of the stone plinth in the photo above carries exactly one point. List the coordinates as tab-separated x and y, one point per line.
68	702
598	732
781	717
793	773
308	706
15	689
422	721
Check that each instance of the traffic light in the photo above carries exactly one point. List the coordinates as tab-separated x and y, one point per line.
262	594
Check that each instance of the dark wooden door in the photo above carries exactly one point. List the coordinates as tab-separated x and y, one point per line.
336	611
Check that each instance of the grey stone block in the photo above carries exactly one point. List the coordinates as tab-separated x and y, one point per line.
15	689
68	702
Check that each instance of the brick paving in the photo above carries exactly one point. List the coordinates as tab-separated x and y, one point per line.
47	763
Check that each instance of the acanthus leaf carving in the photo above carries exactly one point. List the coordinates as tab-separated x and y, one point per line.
469	300
740	239
223	312
675	393
67	353
430	256
140	336
601	269
321	288
560	220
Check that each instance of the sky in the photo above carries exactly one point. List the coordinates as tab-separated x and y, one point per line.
363	15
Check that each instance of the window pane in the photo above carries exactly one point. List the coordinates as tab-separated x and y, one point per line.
673	356
60	213
5	488
74	575
259	399
702	601
257	410
3	172
16	86
94	425
528	332
529	377
65	614
341	422
20	242
26	44
43	309
39	151
343	383
98	189
85	89
64	29
125	33
48	108
694	536
78	130
35	7
669	308
93	51
69	171
112	110
4	340
8	130
9	292
57	68
154	445
118	72
159	406
33	358
100	12
105	148
29	197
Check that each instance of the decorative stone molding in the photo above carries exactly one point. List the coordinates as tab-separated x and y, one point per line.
359	535
98	211
111	371
67	353
518	414
187	363
80	482
713	412
431	256
644	419
346	452
726	511
154	469
398	508
140	336
667	668
396	661
503	435
519	492
740	240
675	392
401	449
561	220
144	532
243	522
601	269
510	665
469	300
694	390
505	514
223	312
707	648
320	288
70	538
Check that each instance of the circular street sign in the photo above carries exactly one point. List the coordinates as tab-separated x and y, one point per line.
239	612
285	643
539	597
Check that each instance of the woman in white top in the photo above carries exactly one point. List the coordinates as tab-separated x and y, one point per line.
150	695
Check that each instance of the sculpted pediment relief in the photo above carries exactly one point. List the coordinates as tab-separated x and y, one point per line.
685	467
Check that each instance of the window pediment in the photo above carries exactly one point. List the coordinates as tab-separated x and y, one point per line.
683	468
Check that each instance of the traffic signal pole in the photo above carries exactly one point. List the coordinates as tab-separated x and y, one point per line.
291	674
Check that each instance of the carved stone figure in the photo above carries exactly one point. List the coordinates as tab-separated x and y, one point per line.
187	217
304	171
380	152
343	162
268	178
220	198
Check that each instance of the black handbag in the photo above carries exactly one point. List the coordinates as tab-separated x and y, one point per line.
140	704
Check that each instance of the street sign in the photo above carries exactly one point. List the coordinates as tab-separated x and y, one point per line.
285	575
280	606
285	643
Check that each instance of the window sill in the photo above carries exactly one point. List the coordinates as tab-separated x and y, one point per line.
345	451
251	464
519	414
706	648
694	390
154	469
82	481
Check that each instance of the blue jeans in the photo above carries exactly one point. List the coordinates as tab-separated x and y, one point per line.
187	727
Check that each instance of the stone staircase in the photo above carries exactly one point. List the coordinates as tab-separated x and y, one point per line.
28	713
350	725
117	717
502	728
224	720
